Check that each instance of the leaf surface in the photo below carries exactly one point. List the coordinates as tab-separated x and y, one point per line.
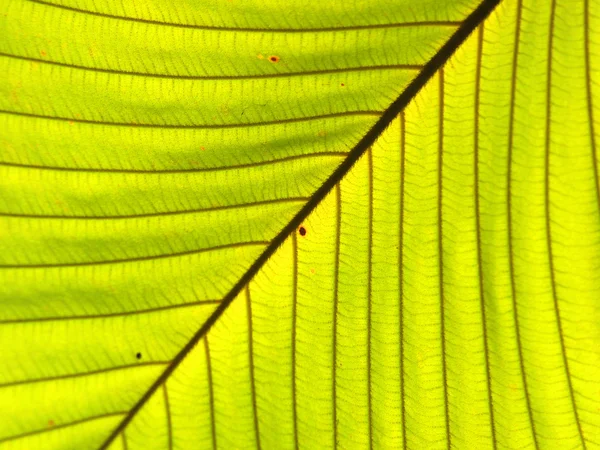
444	293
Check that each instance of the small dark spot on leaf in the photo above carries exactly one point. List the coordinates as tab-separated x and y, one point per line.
51	423
342	85
138	355
302	231
43	52
274	58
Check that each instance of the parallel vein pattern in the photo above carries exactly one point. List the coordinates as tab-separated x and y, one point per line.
443	294
414	307
148	157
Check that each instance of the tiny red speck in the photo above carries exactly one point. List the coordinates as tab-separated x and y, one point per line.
302	231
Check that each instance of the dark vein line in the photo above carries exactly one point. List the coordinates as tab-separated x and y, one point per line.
249	29
82	374
338	230
115	314
196	126
158	214
211	395
136	259
549	225
369	297
479	245
441	254
511	263
57	427
168	412
429	70
251	363
590	107
124	440
401	276
170	171
217	77
294	313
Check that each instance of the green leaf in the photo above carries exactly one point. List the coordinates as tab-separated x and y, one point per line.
257	225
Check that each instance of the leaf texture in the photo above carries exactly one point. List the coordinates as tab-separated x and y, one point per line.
443	294
440	318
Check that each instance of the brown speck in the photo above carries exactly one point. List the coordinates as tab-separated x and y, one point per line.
302	231
274	59
51	423
342	85
202	148
138	355
43	52
312	271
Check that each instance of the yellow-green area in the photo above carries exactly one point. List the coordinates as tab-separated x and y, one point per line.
444	294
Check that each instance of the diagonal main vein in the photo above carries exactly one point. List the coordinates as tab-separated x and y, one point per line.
429	69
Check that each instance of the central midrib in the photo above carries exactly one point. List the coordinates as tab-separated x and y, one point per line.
429	70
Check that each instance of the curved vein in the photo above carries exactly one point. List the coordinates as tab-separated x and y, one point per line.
511	253
138	258
156	214
115	314
210	393
203	126
590	106
401	276
57	427
479	244
563	348
82	374
441	256
442	23
429	70
171	171
216	77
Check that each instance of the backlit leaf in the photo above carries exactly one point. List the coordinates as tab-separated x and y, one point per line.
302	225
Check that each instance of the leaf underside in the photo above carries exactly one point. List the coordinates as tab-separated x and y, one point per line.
170	278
